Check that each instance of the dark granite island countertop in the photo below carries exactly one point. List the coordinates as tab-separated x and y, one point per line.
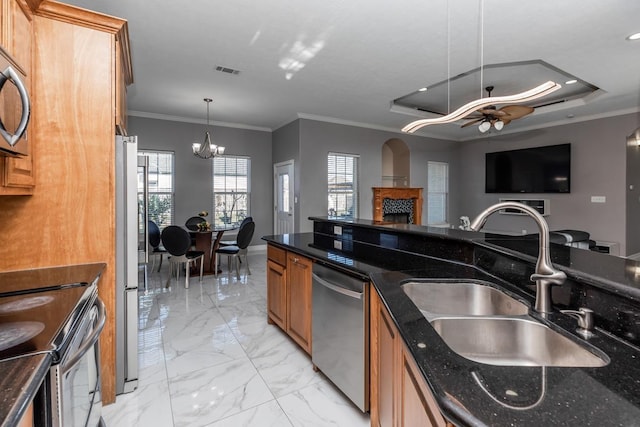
472	393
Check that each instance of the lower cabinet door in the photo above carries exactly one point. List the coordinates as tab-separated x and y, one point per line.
299	282
418	407
276	294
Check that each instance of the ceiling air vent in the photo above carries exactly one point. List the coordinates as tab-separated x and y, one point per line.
227	70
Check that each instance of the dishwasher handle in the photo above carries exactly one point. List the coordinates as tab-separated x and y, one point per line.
336	288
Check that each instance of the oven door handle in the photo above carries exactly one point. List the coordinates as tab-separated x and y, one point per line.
347	292
90	340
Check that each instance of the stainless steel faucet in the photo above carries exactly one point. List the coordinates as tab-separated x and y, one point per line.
545	275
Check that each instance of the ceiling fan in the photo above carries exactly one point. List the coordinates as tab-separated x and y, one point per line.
491	116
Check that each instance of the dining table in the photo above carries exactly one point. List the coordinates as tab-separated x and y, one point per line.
208	241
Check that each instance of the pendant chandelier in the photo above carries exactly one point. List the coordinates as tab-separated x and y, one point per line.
207	150
473	106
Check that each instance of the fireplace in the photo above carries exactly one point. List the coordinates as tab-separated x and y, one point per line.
397	205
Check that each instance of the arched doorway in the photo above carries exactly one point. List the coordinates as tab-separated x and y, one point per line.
395	163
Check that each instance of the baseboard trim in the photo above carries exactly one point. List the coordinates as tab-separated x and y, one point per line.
257	248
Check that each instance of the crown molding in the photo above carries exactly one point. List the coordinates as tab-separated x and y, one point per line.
198	121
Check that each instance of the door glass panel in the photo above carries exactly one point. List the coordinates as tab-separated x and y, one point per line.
284	193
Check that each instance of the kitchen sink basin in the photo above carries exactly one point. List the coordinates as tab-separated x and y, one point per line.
513	341
461	299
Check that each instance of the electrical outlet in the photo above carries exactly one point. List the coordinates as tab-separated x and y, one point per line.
598	199
337	230
337	244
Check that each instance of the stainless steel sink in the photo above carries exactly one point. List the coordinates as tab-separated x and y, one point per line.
512	341
461	299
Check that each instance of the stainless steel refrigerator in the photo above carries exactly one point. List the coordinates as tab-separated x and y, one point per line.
131	256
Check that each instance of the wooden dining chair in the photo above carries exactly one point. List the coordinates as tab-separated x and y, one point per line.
236	251
176	241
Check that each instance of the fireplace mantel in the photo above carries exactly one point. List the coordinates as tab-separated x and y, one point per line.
397	193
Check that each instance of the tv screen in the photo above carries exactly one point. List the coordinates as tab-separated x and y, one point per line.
530	170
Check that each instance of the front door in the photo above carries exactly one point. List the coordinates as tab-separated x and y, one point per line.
283	197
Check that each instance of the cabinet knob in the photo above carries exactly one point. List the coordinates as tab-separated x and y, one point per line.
295	259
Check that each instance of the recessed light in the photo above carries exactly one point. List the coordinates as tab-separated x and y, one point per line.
571	82
635	36
422	89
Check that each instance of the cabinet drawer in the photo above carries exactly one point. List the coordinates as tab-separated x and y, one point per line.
277	255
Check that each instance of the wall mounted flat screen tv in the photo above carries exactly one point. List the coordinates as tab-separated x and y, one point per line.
530	170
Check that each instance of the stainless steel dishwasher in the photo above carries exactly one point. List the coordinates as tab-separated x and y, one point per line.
341	332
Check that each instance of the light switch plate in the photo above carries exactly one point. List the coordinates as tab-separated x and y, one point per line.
598	199
337	244
337	230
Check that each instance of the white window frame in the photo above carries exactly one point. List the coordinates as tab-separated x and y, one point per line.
437	196
348	173
169	191
233	194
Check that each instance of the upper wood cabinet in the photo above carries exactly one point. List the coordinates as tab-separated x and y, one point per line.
124	77
17	176
17	31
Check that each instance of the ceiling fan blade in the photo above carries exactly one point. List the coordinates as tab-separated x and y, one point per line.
487	111
505	121
472	122
517	111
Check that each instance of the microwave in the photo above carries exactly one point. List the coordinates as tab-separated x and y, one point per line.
14	108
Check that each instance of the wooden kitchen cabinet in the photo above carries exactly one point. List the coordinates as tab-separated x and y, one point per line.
277	294
17	175
289	294
399	395
124	78
73	92
299	300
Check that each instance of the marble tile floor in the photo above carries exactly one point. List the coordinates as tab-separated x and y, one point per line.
208	358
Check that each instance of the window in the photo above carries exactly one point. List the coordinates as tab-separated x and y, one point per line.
342	179
437	192
160	186
231	190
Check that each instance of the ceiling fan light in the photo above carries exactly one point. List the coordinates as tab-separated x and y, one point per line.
498	125
484	126
465	110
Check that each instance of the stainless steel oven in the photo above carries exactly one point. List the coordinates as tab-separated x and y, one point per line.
57	311
75	386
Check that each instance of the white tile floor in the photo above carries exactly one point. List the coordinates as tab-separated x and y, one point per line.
209	358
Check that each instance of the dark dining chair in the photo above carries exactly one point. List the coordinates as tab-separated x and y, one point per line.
192	225
235	242
236	251
177	242
155	244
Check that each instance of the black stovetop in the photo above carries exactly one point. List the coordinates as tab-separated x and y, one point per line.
39	308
